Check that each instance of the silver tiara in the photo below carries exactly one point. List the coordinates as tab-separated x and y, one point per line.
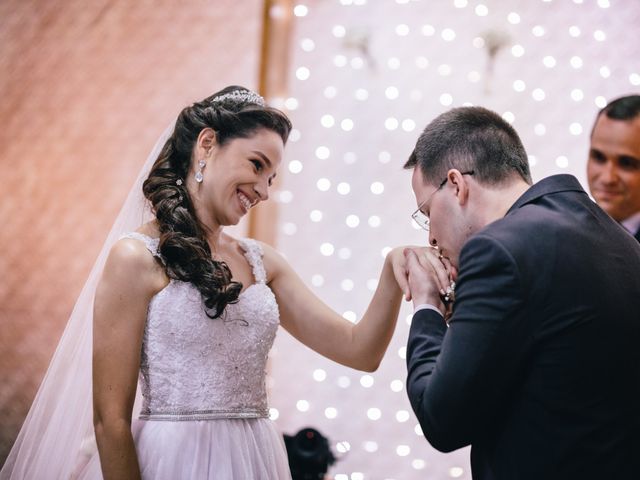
241	96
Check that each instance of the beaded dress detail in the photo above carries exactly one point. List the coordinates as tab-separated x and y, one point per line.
204	410
195	367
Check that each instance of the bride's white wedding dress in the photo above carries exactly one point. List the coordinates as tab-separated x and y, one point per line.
204	413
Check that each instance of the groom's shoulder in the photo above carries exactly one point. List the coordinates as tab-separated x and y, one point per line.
528	224
524	237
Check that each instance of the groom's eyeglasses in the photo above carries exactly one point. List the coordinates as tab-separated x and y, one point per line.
421	218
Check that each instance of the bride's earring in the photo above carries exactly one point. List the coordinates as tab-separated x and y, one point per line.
201	165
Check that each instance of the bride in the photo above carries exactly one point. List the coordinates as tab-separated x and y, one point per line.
189	313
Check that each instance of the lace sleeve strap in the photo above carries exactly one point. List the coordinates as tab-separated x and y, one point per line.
253	254
152	244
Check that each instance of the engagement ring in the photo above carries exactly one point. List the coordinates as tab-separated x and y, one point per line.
449	294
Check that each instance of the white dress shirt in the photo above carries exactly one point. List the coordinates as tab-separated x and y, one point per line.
632	224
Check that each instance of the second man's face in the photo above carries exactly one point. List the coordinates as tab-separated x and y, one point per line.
613	169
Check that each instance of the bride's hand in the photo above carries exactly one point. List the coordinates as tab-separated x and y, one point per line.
399	266
438	284
446	272
453	272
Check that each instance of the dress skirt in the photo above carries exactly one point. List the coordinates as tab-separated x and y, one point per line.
220	449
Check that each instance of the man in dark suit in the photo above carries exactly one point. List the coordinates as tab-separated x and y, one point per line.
538	365
613	169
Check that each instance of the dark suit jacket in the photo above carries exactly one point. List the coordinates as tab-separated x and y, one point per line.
539	370
637	235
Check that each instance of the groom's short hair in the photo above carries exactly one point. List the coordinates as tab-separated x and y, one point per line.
470	139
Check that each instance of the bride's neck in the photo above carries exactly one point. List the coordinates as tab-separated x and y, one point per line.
214	237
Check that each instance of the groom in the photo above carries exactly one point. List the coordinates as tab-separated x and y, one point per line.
538	368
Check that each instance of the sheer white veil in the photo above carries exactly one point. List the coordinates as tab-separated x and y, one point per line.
57	437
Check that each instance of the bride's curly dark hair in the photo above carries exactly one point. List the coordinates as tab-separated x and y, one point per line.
183	243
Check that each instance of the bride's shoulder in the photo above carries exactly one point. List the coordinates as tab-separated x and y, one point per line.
274	262
130	256
131	265
138	247
134	253
265	250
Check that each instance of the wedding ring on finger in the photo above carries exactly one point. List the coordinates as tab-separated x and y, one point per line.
437	249
449	293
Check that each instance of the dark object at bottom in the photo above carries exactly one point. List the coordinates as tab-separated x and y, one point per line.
309	454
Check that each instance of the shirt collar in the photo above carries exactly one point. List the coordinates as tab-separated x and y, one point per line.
632	224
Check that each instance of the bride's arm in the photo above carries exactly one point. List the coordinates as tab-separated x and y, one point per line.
307	318
129	280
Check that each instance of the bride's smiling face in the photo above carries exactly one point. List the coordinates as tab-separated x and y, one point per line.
237	175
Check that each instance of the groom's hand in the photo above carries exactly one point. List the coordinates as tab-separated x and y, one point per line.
426	275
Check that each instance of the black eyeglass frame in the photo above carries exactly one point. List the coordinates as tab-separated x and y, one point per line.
421	218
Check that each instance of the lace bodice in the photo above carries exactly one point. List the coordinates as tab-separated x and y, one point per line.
195	367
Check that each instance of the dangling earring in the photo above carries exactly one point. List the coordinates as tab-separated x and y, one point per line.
199	176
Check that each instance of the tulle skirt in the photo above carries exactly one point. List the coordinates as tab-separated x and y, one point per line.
221	449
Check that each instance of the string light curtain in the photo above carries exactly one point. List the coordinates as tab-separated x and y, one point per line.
366	78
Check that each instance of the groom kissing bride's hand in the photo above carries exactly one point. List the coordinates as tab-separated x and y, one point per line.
537	366
431	279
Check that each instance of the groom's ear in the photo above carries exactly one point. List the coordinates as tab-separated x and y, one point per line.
460	185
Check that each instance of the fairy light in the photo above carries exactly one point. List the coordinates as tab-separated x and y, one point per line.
377	188
300	10
361	94
446	99
482	10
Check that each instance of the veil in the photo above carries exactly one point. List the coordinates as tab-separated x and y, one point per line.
57	437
